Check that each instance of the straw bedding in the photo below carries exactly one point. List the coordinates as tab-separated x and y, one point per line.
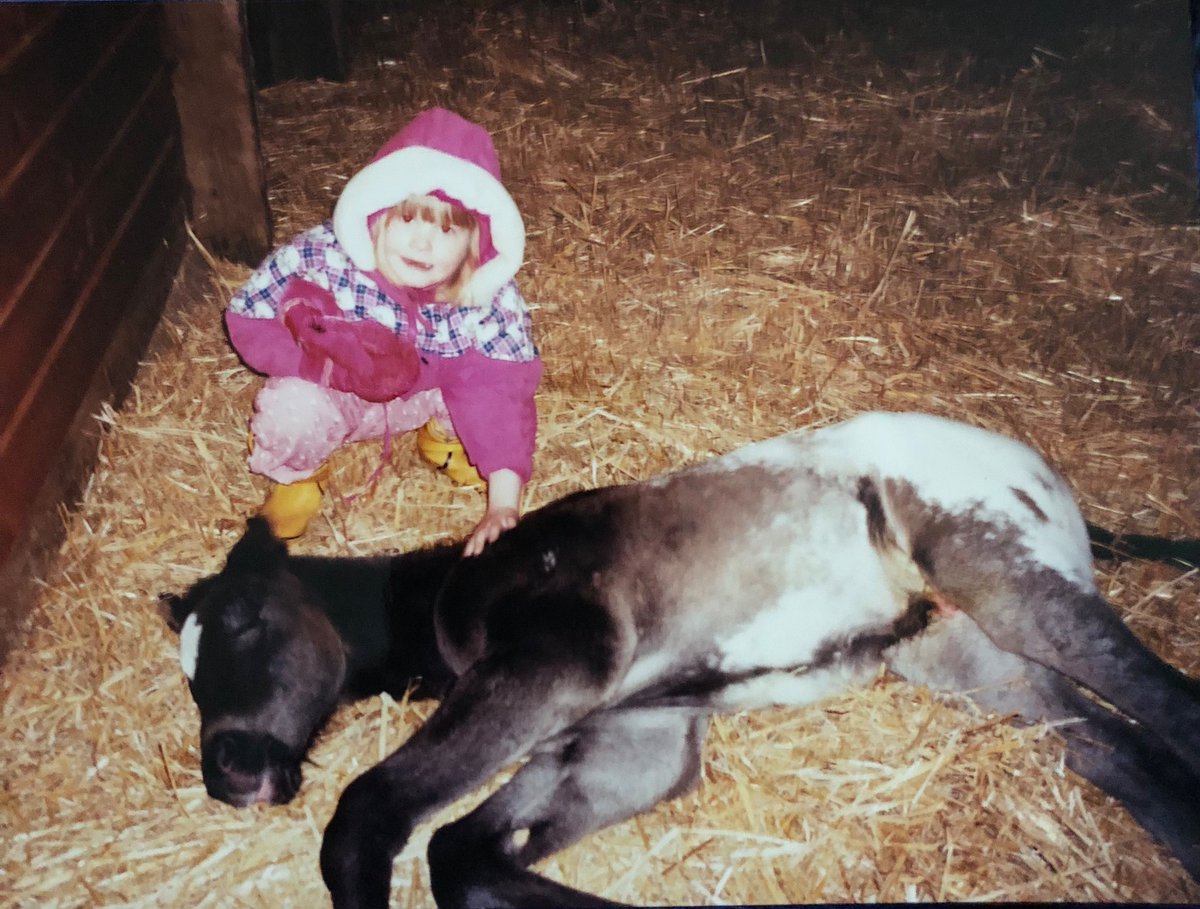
740	222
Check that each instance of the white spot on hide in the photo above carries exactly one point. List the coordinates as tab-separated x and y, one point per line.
794	689
789	631
189	646
960	469
647	670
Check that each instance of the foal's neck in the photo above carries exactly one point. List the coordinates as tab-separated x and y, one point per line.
382	608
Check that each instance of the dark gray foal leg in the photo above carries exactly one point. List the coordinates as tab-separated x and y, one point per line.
1124	759
613	765
501	709
1133	765
1030	609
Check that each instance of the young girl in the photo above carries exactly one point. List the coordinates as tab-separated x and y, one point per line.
399	314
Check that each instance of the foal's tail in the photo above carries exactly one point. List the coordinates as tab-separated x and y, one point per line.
1109	546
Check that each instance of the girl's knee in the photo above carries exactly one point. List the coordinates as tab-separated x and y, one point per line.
292	406
295	427
284	393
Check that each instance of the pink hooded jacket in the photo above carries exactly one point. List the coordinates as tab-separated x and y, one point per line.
318	308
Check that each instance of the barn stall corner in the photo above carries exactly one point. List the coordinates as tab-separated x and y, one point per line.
742	219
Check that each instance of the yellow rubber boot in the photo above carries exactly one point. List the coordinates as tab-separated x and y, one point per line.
289	507
446	453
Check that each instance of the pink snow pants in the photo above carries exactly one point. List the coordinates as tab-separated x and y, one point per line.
298	424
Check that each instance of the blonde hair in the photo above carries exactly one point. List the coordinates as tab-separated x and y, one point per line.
443	214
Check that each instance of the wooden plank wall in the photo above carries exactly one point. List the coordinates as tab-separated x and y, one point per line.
92	195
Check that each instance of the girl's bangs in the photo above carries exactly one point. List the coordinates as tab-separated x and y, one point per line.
435	211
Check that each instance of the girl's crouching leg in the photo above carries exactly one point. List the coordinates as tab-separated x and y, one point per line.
296	426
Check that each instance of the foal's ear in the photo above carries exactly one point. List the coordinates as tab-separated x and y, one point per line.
258	549
174	609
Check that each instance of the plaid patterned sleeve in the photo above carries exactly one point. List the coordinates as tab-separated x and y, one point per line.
506	332
314	256
503	331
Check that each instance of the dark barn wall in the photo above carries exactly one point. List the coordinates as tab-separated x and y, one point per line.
214	94
92	207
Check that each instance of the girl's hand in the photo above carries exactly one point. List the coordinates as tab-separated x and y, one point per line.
504	504
494	523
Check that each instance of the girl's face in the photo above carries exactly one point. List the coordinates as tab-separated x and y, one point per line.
420	245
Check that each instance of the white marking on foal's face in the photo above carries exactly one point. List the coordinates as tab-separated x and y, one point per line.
189	646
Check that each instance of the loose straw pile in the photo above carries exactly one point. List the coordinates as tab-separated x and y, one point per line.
740	223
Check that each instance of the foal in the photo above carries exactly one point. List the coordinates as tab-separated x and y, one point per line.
595	639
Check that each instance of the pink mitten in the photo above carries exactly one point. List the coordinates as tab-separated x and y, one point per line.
360	356
369	360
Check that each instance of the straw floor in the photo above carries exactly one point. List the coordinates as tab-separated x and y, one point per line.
740	222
